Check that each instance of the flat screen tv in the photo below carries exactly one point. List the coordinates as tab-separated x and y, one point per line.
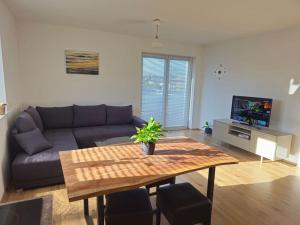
251	111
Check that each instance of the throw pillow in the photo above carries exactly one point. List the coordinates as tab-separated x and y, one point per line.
56	117
85	116
119	114
36	117
32	141
24	123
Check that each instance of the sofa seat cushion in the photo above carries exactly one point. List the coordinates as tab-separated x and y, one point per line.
119	115
85	116
44	164
56	117
86	136
39	166
61	139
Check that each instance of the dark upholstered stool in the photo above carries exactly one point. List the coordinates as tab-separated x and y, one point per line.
129	208
182	204
171	180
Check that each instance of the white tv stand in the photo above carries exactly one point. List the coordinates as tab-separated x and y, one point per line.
265	142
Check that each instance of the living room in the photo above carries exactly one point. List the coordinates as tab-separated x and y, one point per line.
226	48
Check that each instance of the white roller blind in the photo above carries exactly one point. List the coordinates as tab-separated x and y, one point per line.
153	81
166	90
178	93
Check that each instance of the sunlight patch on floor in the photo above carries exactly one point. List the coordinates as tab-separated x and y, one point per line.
251	173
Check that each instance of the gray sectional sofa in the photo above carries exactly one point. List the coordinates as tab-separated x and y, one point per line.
40	133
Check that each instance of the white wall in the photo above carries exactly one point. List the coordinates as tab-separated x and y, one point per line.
257	66
9	46
45	82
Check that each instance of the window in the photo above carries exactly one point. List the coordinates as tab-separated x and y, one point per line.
2	84
166	82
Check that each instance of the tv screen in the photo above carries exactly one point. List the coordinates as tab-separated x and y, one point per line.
251	111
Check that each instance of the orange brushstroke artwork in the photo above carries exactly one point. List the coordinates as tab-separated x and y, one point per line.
82	62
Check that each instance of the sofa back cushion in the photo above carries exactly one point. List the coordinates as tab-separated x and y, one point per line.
119	114
56	117
24	123
32	141
85	116
36	117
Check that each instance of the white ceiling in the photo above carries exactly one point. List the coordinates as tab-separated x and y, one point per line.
192	21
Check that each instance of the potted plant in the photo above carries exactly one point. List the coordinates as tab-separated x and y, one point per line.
207	128
148	135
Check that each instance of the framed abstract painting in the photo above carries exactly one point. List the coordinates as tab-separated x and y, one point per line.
82	62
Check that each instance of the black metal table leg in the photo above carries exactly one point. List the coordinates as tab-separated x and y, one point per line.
211	183
86	207
88	219
100	209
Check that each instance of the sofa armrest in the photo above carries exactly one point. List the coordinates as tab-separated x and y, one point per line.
138	122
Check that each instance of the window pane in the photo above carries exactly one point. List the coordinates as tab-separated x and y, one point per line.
153	88
178	94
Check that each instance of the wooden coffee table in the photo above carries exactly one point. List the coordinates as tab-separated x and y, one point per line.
95	172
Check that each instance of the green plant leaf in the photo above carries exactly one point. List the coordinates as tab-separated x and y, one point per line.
149	133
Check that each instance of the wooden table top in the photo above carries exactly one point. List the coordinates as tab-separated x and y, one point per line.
102	170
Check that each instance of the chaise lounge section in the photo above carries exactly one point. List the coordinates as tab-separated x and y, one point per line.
35	159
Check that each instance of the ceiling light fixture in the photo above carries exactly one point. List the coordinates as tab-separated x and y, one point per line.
156	43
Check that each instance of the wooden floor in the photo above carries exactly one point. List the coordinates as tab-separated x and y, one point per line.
245	194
